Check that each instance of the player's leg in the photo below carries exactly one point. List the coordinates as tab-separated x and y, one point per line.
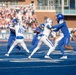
38	46
11	48
24	46
61	47
66	46
55	44
57	40
49	52
17	46
34	46
66	42
10	41
50	45
34	39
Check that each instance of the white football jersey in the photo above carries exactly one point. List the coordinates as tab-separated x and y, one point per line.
46	29
19	29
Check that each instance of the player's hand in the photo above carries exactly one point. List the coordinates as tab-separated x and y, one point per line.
49	26
53	29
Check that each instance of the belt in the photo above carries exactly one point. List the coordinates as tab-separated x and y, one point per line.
19	37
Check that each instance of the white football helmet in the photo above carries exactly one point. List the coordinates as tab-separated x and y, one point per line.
49	20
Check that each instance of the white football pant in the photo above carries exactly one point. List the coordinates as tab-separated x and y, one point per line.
18	41
45	40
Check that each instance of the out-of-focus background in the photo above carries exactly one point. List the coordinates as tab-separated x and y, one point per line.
32	13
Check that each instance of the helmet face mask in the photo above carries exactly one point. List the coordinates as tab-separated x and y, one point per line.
57	20
48	20
42	25
60	17
15	21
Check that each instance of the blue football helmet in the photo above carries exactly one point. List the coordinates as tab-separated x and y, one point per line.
49	20
15	21
42	25
60	17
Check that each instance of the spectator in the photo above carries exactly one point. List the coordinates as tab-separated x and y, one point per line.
73	35
23	13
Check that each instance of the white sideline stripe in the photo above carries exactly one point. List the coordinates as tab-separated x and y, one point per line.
32	60
73	65
36	60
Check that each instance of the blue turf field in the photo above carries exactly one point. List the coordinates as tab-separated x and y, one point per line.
18	64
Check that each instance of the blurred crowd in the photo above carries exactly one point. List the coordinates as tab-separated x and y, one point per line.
25	14
73	35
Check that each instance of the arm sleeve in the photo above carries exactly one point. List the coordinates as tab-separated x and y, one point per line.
9	25
37	30
57	26
56	29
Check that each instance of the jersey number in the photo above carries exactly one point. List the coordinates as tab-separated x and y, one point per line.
20	30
